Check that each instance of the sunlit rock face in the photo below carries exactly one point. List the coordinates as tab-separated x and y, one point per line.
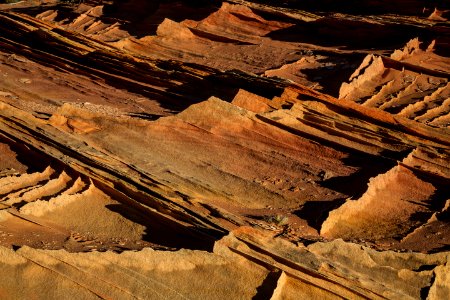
224	150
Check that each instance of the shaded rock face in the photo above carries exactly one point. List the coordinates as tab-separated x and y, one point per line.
244	149
408	7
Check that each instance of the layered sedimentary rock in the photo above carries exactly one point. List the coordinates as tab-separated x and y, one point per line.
412	83
235	151
236	267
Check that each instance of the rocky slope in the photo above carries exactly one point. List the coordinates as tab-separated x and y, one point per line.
149	153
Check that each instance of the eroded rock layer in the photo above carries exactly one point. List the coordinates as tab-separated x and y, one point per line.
235	150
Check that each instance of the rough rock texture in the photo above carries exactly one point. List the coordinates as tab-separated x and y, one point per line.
227	150
412	83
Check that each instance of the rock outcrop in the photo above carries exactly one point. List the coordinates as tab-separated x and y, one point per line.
235	150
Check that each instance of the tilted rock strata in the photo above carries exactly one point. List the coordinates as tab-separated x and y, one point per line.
238	266
218	177
419	94
152	150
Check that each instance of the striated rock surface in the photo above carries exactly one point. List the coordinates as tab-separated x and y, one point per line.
412	83
224	150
